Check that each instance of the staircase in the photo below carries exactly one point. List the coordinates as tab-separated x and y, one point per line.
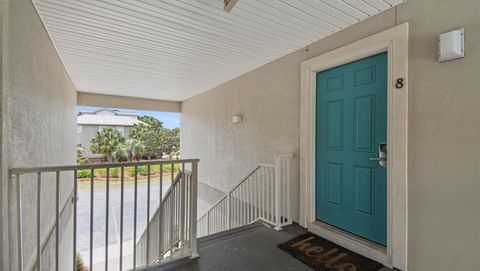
263	195
169	233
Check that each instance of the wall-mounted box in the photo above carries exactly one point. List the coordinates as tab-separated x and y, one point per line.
237	119
451	45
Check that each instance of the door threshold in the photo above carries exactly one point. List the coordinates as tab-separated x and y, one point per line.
352	242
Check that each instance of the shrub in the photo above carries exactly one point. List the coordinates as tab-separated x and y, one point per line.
131	171
168	167
142	171
114	172
101	172
83	173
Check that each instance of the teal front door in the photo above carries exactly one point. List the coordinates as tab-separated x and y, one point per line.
351	123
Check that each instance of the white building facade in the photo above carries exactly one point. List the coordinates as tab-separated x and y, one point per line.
91	122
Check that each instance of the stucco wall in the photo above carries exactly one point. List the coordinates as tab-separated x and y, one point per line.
444	117
444	129
38	129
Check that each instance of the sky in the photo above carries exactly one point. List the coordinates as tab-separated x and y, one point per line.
170	120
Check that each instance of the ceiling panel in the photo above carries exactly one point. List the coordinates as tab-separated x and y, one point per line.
175	49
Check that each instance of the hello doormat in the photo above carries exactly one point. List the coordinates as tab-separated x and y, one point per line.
323	255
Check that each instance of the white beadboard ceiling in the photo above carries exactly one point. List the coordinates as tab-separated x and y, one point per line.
175	49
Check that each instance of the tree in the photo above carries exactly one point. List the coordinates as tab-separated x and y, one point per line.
81	159
106	142
130	149
171	141
152	122
149	132
156	139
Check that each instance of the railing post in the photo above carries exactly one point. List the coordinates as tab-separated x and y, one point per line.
228	211
160	215
182	212
19	224
193	213
74	199
57	220
147	256
277	194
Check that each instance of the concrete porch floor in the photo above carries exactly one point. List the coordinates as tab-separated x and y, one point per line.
250	248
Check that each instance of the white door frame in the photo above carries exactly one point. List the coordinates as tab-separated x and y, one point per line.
395	42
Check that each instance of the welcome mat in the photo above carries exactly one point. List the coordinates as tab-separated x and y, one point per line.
323	255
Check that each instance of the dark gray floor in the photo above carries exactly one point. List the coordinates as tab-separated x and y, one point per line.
249	248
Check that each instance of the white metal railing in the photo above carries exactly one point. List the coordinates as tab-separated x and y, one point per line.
265	194
170	224
178	208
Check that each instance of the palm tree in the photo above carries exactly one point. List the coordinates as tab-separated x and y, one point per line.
130	149
106	142
81	159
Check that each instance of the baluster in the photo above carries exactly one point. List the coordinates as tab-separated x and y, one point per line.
255	182
262	191
107	192
193	219
228	210
92	175
19	223
182	212
248	194
148	218
57	218
267	194
172	210
39	215
287	178
160	211
135	218
278	193
121	214
242	209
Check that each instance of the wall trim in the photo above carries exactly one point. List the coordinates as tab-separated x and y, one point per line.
123	102
395	42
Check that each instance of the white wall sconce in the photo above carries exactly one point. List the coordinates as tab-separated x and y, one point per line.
451	45
237	119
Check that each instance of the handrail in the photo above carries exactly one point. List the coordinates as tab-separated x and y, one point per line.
169	191
171	217
23	170
236	186
263	194
181	218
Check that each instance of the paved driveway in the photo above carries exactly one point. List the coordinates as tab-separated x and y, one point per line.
83	216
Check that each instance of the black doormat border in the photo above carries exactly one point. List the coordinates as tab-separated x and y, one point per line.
323	255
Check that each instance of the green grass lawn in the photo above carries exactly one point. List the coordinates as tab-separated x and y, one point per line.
100	183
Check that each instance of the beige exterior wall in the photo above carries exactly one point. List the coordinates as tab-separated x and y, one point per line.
112	101
444	149
444	117
38	129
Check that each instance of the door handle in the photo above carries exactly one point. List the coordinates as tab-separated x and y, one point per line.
382	155
383	159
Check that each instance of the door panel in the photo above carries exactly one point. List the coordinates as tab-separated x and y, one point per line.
351	190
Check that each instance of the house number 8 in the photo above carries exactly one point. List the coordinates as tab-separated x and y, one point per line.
399	83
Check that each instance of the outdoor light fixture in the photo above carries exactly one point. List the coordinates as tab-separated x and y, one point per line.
228	4
451	45
237	119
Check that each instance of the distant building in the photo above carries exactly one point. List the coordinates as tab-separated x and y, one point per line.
91	122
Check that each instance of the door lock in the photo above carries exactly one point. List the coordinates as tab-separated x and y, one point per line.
382	155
